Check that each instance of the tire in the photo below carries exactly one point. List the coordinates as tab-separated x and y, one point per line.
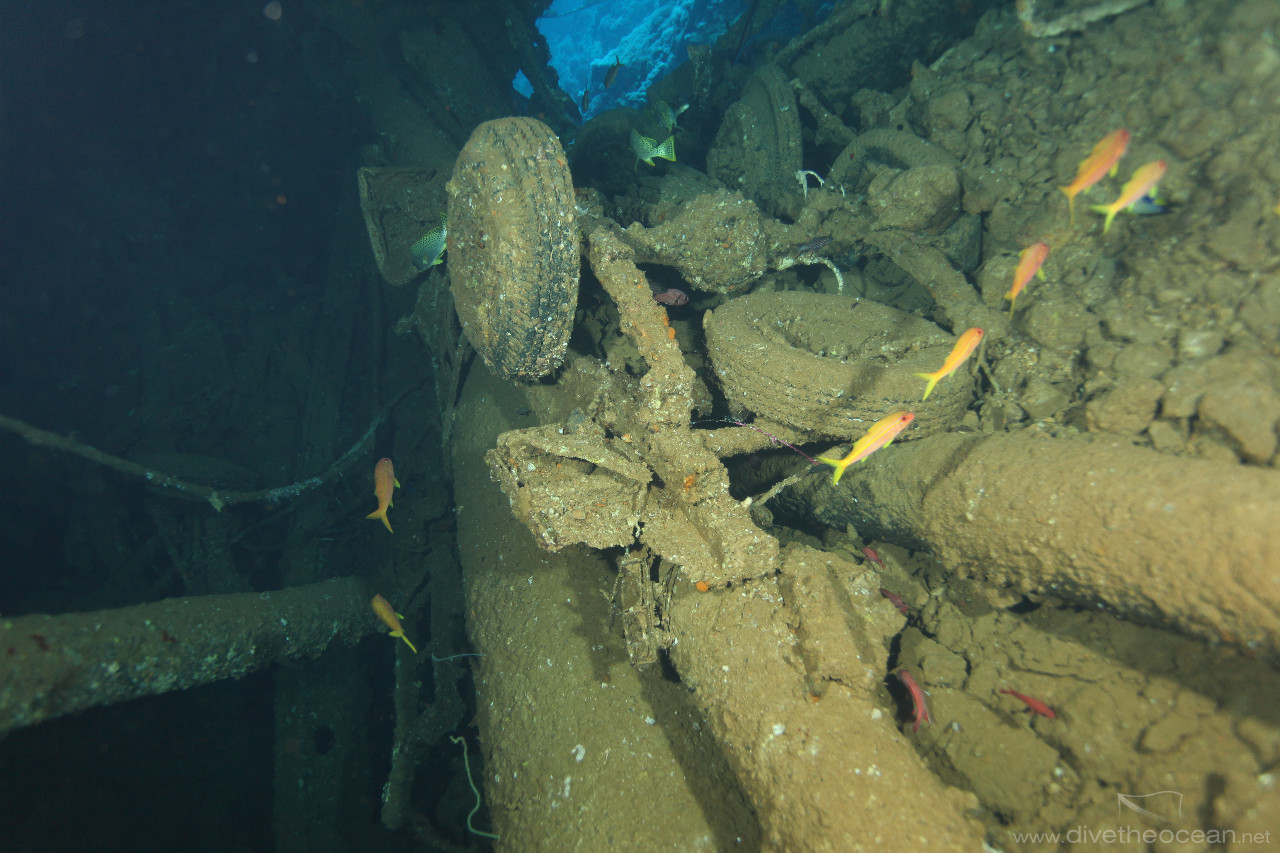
759	149
513	247
830	366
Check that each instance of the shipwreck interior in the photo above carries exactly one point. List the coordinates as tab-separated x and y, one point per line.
631	426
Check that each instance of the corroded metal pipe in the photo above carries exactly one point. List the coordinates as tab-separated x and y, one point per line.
51	666
1186	542
834	774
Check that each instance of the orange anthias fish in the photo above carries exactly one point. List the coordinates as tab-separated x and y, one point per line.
962	350
1139	185
1029	262
880	435
384	483
391	618
1103	159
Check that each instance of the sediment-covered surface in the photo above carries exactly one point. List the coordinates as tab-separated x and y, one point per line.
1081	549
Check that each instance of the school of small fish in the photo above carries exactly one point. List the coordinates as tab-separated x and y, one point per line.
1139	196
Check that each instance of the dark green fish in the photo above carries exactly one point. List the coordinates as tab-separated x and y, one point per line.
429	250
612	73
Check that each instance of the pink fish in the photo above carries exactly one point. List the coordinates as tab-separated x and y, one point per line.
896	600
919	708
672	296
1035	706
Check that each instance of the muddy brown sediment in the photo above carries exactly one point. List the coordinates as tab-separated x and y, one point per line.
577	744
786	668
1189	543
791	693
635	470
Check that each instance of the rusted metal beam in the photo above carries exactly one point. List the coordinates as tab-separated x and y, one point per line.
51	666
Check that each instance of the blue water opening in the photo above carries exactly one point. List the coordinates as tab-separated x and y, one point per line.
522	85
648	37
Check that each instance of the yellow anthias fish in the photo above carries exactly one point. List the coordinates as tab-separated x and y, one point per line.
384	484
1029	262
646	149
1104	158
391	618
1143	181
962	350
880	435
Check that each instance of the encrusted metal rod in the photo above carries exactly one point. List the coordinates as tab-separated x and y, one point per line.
810	259
399	786
51	666
1096	523
420	726
44	438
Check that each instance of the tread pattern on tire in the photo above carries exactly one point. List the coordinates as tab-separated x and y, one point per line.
513	246
758	148
818	365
